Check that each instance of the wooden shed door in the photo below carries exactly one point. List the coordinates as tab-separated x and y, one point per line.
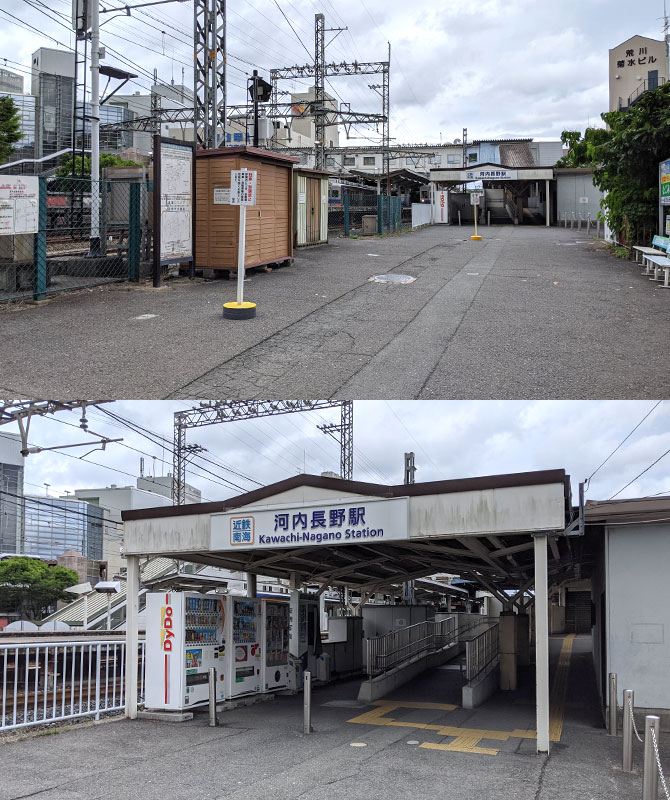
313	210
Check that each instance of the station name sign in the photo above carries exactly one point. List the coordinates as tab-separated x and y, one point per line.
334	522
491	174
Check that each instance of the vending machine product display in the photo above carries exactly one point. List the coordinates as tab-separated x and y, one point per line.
275	657
185	637
243	646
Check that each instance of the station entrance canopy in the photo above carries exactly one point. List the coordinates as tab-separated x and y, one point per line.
330	531
489	172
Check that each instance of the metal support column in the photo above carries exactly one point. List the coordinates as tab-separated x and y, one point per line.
547	203
541	643
134	233
132	614
347	440
319	91
40	247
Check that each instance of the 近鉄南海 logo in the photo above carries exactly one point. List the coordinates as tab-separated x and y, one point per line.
242	530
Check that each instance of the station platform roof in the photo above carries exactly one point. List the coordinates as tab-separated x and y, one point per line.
331	531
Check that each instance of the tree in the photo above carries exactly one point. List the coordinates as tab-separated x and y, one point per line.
106	160
30	586
625	162
10	127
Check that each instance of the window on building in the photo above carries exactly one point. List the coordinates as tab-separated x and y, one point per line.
349	161
472	158
451	159
368	161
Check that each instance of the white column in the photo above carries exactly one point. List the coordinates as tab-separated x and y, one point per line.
132	612
541	644
547	204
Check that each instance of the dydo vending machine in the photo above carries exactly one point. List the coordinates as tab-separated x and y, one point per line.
184	639
242	646
187	633
276	671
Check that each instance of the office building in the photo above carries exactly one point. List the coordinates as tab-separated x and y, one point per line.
636	66
11	492
52	83
10	82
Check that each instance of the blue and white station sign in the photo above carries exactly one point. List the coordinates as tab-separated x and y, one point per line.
365	520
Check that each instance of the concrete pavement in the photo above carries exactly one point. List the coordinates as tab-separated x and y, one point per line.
260	751
526	313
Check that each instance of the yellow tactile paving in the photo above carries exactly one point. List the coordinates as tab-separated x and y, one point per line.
559	690
466	740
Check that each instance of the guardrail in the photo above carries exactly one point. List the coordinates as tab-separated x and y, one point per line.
43	683
397	647
481	652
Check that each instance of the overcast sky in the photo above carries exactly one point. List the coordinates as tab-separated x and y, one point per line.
499	68
451	439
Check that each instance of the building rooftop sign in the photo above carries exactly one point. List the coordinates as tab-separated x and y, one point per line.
366	519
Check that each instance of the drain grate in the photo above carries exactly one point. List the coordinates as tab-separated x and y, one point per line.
392	279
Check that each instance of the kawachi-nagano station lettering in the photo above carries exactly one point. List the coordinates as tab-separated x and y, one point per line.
382	520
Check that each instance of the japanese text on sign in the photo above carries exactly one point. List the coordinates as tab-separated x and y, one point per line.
633	59
331	523
243	187
19	204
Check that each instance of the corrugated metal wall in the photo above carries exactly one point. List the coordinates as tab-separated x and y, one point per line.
301	207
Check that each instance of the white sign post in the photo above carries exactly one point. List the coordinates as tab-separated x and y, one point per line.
243	184
474	202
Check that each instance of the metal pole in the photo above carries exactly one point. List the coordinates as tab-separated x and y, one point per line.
213	721
488	213
650	774
85	611
109	612
627	726
254	89
611	712
240	254
307	699
95	129
459	217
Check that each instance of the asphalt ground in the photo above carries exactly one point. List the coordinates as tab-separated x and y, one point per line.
260	752
528	312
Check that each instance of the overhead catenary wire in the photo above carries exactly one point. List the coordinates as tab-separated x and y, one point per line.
651	410
653	464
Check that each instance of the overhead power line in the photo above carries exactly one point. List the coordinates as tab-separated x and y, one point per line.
618	447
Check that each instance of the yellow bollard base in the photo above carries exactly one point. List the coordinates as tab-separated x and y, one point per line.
243	310
476	238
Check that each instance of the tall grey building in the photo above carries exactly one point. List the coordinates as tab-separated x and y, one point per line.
52	83
54	526
11	492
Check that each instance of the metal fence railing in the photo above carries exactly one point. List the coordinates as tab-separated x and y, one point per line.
50	682
397	647
59	255
356	205
481	652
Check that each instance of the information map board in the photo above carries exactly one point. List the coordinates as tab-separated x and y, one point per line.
176	202
19	204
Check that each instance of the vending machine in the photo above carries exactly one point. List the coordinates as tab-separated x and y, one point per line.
185	637
275	673
242	646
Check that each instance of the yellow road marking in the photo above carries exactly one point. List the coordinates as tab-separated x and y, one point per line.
466	740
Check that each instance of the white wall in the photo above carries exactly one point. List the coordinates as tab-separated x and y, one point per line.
421	214
638	598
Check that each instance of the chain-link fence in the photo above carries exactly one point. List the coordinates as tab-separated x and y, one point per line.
349	216
74	246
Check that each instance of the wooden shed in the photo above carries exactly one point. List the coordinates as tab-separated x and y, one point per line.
269	228
310	207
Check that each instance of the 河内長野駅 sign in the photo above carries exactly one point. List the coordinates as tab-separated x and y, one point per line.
334	522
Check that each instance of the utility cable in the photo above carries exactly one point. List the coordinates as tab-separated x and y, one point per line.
588	480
